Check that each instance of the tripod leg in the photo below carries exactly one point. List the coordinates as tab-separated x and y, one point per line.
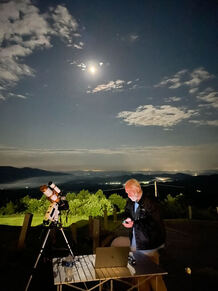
61	229
37	260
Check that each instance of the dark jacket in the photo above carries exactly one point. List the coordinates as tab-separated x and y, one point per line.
149	228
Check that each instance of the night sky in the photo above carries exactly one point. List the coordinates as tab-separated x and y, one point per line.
109	85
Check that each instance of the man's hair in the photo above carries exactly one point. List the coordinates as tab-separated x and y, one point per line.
133	182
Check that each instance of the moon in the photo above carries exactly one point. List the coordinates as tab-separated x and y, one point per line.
92	69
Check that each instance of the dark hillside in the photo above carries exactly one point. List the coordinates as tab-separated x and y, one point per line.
11	174
199	190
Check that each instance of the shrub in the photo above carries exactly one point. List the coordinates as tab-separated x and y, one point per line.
83	195
174	207
34	205
75	207
118	201
71	196
8	209
204	213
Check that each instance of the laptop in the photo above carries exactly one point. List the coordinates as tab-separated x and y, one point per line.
109	257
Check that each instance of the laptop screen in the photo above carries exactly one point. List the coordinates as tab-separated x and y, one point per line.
109	257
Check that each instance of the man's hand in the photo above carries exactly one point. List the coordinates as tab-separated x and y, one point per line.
128	223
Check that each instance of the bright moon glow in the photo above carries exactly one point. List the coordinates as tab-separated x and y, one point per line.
92	69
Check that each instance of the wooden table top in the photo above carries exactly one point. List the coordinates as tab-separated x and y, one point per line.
83	270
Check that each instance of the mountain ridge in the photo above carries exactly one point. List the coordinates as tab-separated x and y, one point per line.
10	174
26	181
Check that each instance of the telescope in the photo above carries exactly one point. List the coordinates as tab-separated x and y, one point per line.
57	199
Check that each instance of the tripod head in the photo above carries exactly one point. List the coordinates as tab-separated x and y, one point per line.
52	214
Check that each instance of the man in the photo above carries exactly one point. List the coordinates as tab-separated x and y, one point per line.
147	233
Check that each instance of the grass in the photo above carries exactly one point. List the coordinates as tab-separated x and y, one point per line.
17	220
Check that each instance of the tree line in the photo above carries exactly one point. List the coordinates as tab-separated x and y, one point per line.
82	203
88	204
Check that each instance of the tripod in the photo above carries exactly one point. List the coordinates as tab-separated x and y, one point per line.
54	223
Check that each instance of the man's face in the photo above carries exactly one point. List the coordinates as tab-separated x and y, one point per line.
133	192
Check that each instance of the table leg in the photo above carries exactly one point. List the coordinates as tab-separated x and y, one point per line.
100	287
59	287
111	289
143	284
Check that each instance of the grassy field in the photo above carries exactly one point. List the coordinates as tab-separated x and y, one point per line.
17	220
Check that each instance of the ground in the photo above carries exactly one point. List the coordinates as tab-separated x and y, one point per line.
190	244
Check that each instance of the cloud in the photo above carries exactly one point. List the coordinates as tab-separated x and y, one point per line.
197	77
112	85
133	37
185	78
81	65
23	29
193	90
128	38
116	85
165	116
11	71
63	23
212	122
172	99
2	97
79	46
153	158
17	95
209	96
172	82
205	122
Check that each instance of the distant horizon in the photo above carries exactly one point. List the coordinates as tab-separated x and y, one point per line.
29	178
190	172
141	158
